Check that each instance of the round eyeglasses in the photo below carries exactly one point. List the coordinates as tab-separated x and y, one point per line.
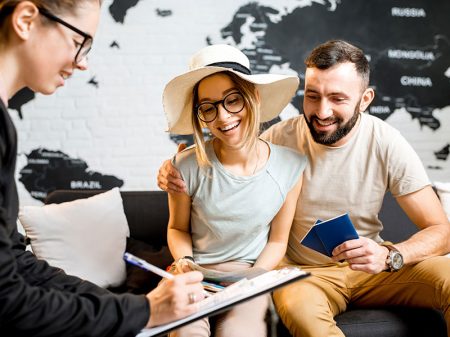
84	47
233	103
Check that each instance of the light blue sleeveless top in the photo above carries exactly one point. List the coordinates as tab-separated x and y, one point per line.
231	215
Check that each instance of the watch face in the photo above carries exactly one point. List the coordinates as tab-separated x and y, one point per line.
397	260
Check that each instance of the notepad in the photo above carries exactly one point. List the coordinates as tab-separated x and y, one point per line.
217	276
326	235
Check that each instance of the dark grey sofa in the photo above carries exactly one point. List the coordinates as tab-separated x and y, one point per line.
147	215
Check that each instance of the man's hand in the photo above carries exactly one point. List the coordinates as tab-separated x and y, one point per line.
175	299
362	254
169	179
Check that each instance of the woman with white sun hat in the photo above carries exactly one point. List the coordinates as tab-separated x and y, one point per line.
242	193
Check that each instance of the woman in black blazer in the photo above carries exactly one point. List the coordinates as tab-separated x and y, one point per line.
42	42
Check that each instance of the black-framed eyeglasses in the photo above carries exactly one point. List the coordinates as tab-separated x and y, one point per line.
233	103
84	47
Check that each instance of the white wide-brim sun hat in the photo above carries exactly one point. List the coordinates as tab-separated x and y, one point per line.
275	91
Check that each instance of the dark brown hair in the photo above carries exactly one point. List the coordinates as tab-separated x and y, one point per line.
335	52
57	7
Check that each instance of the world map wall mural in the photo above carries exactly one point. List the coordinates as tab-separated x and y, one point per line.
114	110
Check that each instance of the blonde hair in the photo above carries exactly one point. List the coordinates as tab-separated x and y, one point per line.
249	92
56	7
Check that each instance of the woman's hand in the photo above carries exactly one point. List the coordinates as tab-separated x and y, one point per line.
175	299
180	266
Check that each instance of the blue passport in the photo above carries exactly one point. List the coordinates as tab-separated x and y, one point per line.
324	236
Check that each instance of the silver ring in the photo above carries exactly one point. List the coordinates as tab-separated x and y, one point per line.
192	297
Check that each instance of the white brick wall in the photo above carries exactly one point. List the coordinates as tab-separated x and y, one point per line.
118	128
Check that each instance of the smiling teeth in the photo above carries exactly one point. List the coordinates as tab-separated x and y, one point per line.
323	123
229	127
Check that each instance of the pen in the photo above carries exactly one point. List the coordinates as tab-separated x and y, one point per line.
130	258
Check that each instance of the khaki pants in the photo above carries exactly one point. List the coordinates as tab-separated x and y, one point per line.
308	307
246	319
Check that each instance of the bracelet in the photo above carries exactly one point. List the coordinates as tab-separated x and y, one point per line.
189	258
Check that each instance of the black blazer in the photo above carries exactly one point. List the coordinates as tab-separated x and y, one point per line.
39	300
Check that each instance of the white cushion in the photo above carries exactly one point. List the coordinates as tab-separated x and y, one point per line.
85	237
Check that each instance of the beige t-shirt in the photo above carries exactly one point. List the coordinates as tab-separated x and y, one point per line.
351	178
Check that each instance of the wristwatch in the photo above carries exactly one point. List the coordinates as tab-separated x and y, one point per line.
394	260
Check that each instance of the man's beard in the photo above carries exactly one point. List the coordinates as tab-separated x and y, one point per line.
342	130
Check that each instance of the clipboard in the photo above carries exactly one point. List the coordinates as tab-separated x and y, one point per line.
238	292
